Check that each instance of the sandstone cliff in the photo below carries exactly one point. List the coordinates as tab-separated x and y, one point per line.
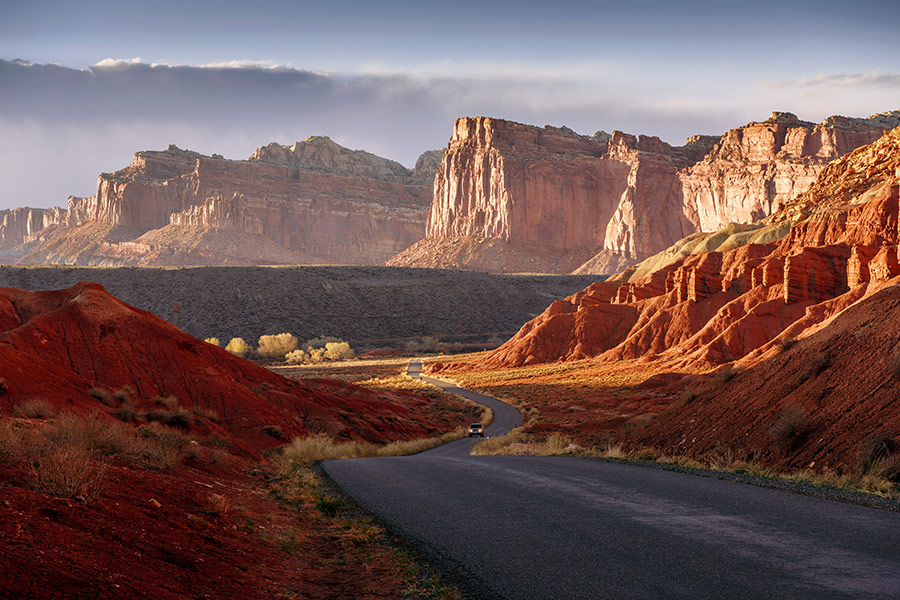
732	295
551	199
313	201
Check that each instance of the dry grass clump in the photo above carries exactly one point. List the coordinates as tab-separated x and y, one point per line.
818	362
303	451
104	396
785	344
790	427
70	456
272	431
35	408
68	472
516	442
728	373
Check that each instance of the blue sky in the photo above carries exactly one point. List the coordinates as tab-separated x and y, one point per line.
100	80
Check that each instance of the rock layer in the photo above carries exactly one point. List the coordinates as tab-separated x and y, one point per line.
617	198
315	200
718	306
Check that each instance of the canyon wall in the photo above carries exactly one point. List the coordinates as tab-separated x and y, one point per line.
315	200
739	295
553	198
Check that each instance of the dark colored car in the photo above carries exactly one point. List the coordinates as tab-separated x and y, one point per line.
476	429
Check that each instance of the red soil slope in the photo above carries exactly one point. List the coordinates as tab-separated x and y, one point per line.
812	405
715	307
58	345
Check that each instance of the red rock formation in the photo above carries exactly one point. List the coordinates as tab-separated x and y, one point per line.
618	199
318	201
59	345
714	307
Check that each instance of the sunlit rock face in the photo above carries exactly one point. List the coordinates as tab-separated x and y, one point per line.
731	295
559	201
313	201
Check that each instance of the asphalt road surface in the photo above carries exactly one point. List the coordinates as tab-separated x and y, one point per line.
569	528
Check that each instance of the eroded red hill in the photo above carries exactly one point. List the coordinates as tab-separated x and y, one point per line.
59	346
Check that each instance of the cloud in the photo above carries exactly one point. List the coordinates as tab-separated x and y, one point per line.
61	126
845	80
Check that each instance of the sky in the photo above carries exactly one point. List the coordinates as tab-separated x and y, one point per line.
84	85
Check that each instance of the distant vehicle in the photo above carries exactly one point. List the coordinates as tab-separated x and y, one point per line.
476	429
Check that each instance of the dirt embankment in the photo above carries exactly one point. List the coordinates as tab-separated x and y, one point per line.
367	306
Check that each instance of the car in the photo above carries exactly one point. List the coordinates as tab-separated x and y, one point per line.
476	429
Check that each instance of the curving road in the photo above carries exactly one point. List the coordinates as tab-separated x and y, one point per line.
569	528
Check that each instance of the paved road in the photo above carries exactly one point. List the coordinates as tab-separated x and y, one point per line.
569	528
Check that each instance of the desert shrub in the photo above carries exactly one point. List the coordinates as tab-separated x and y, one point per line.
818	362
789	427
321	341
329	506
316	355
688	395
104	396
428	344
277	346
180	417
238	347
4	385
412	347
10	442
68	472
206	413
894	363
218	442
272	431
170	402
214	341
296	357
727	374
166	447
338	351
35	408
785	344
877	457
126	413
218	505
124	393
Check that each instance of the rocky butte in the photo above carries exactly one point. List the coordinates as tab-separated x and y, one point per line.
734	294
774	342
312	202
510	197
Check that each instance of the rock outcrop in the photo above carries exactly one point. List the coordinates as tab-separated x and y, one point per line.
314	200
554	197
730	295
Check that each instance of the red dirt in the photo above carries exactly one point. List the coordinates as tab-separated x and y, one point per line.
124	546
209	527
58	345
845	379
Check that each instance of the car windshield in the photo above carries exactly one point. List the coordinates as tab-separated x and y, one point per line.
475	426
